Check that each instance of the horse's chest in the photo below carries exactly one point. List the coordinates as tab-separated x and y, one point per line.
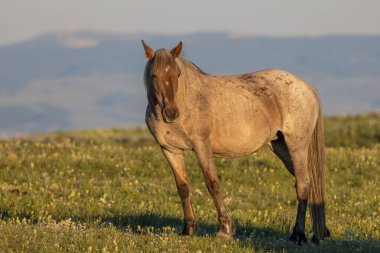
170	135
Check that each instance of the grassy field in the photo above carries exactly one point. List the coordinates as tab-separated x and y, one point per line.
112	191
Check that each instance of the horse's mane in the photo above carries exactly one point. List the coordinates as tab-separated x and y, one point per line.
192	66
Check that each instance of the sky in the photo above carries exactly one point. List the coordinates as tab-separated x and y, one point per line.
24	19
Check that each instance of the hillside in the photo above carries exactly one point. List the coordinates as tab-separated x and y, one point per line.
111	190
85	79
354	131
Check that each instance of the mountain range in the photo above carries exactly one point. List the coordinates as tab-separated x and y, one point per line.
87	79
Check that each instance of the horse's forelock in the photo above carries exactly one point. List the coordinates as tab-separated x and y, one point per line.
162	60
162	65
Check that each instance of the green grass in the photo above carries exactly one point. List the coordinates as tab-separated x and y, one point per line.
353	131
112	190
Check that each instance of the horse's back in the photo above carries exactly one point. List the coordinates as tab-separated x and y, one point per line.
281	93
250	109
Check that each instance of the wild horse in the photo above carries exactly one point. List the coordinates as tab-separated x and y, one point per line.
231	116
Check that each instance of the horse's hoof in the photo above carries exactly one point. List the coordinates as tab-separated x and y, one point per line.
327	233
189	229
316	240
227	232
224	235
298	237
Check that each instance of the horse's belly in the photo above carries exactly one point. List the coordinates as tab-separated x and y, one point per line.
235	140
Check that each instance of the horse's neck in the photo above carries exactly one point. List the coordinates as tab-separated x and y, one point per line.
190	81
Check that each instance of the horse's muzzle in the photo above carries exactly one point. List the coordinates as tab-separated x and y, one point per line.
170	114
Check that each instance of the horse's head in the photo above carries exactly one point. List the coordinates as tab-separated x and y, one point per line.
161	79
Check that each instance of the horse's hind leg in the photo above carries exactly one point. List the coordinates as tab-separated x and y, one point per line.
177	164
295	160
280	148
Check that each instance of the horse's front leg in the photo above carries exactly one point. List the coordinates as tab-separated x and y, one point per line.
177	164
204	154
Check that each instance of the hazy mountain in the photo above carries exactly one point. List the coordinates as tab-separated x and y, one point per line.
87	79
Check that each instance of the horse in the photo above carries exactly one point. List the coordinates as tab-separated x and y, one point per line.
233	116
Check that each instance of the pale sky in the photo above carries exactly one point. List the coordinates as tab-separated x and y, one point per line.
24	19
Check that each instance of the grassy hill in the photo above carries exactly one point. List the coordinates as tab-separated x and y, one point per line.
353	131
111	190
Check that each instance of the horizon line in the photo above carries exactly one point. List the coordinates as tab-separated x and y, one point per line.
230	34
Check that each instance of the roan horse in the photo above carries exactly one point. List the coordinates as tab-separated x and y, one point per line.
231	116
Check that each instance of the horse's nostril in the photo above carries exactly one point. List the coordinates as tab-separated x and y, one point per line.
171	113
167	112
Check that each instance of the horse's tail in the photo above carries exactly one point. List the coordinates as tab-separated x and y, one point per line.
316	167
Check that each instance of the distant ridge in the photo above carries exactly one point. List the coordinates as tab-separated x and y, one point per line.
92	79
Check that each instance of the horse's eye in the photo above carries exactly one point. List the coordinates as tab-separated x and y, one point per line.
154	76
179	74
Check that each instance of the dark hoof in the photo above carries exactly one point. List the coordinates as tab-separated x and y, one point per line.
190	229
227	231
327	233
298	237
316	240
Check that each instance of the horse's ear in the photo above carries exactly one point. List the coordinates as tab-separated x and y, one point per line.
148	51
177	50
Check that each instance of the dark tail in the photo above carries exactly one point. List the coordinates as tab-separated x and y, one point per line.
316	167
